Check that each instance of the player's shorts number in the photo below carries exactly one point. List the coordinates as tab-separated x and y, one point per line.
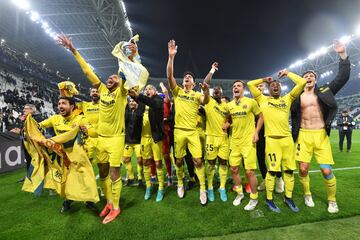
210	147
272	157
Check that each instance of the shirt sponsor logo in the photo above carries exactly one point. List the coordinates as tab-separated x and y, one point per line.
277	105
107	103
187	98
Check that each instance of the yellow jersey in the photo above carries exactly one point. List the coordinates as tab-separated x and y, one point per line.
216	114
146	128
91	111
276	111
112	112
186	108
243	117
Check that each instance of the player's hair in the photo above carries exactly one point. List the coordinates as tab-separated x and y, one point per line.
189	73
70	99
31	106
309	71
240	81
151	86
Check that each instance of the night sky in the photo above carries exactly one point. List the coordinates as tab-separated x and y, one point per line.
248	38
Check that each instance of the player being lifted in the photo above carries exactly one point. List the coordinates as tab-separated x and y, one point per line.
111	140
244	136
312	114
279	146
187	102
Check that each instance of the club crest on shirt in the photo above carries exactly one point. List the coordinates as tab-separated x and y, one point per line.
244	106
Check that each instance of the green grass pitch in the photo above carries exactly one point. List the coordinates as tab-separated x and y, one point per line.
24	216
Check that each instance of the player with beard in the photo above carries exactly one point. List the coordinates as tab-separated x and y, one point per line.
187	103
64	122
244	136
312	114
152	136
278	142
111	140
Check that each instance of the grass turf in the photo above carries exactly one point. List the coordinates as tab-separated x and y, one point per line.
25	216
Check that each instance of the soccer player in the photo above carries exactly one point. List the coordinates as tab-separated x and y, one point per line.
111	140
64	122
91	112
312	114
244	136
260	153
152	136
279	146
187	102
133	124
217	142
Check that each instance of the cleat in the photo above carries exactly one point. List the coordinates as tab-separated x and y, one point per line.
247	188
141	184
333	207
238	199
271	205
111	216
147	193
309	201
130	182
66	206
203	198
290	203
251	205
91	206
279	185
211	195
223	195
180	191
261	186
106	210
160	195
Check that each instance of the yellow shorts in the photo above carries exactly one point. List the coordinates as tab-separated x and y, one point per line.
90	146
151	149
187	138
312	142
131	148
202	139
279	153
110	150
217	147
243	150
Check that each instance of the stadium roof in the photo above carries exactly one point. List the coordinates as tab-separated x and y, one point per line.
94	25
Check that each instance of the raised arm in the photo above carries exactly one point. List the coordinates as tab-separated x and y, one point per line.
154	102
299	82
343	74
214	68
165	92
206	97
89	73
170	65
252	85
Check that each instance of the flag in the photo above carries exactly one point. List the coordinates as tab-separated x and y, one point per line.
135	73
67	171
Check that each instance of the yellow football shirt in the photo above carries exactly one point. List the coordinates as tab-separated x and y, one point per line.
186	108
215	117
112	112
146	128
91	112
243	117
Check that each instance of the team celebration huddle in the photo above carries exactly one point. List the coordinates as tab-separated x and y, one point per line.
200	137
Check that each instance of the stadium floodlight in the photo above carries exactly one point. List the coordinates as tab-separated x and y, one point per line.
284	88
2	41
298	63
34	16
345	39
123	6
311	56
322	50
357	31
45	25
292	66
44	64
26	55
22	4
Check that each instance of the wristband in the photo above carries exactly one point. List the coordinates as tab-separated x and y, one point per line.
212	71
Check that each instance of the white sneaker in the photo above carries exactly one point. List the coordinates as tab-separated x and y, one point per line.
309	201
238	199
279	185
203	197
333	207
261	186
251	205
180	191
